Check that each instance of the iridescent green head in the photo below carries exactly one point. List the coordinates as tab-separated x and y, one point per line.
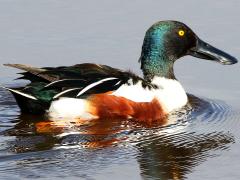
167	41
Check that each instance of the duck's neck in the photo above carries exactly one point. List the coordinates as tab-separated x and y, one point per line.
155	58
157	67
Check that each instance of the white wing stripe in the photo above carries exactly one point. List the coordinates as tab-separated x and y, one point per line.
117	83
63	92
95	84
54	82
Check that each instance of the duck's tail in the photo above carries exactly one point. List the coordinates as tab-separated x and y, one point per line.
19	93
27	103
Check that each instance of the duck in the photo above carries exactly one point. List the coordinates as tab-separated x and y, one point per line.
94	91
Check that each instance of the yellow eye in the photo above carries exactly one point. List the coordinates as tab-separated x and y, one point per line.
181	33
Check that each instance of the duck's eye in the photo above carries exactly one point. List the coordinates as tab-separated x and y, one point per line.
181	32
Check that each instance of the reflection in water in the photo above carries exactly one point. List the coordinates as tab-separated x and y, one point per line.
174	157
26	138
168	151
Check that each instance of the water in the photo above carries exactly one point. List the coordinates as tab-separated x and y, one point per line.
201	132
199	142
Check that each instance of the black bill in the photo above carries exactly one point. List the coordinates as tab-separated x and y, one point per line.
205	51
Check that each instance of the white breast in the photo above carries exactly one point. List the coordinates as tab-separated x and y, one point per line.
171	93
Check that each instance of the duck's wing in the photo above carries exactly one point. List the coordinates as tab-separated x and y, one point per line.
94	77
75	81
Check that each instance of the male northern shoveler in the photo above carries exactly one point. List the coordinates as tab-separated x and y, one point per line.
90	91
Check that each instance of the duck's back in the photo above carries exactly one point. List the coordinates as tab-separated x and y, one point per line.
78	81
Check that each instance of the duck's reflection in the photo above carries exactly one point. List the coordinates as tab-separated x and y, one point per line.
34	133
26	137
169	158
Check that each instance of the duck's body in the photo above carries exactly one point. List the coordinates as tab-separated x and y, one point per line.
130	100
91	91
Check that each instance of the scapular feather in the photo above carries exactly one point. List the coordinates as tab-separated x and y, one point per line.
107	83
66	83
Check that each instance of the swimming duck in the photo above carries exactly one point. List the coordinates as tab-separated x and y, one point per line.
92	91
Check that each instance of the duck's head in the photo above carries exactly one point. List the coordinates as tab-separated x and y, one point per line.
167	41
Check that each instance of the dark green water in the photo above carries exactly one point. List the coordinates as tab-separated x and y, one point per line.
198	142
